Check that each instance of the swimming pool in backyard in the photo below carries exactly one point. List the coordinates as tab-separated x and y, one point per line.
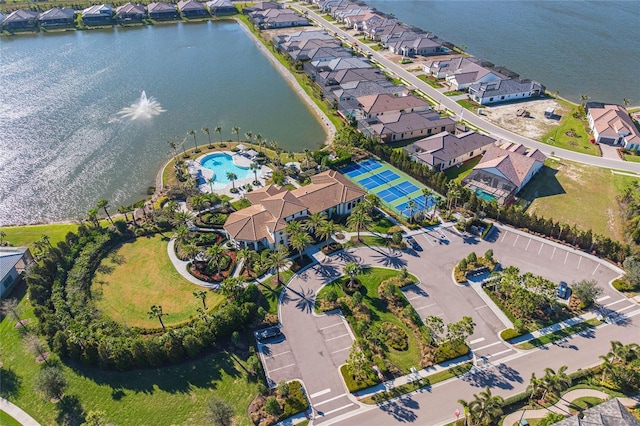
221	164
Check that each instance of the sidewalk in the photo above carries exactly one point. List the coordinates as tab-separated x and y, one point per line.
17	413
181	267
553	328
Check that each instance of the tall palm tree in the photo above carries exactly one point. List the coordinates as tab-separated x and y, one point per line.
584	97
372	202
183	218
173	147
184	148
92	216
626	102
215	254
103	204
426	193
293	227
299	241
352	269
191	250
484	409
262	144
278	259
453	194
258	138
211	181
208	132
156	312
232	287
555	383
202	295
247	255
182	232
218	129
122	210
411	205
248	136
232	177
236	131
254	168
359	219
307	154
195	142
314	222
326	230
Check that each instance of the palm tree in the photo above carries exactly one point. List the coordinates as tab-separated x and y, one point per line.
299	241
215	253
92	216
626	102
247	255
325	231
359	219
174	147
372	201
315	221
232	287
182	232
292	228
307	154
236	131
555	383
262	144
352	269
193	133
218	129
103	204
211	181
183	218
411	205
426	193
258	138
584	97
254	168
278	259
156	312
248	136
232	177
2	237
202	295
453	194
208	132
485	409
191	250
122	210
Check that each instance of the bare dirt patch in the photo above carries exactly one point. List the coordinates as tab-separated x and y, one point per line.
535	125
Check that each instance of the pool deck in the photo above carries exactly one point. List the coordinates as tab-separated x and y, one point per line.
239	160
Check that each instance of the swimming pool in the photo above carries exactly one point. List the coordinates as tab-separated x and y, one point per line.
485	195
221	164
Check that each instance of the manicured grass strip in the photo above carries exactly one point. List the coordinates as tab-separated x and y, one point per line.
583	403
366	240
429	81
441	376
7	420
577	139
143	275
458	173
469	104
560	334
632	158
26	235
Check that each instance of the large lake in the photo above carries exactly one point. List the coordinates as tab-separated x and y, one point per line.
590	47
63	145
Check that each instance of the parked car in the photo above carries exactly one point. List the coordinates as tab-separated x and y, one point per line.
413	243
267	333
564	291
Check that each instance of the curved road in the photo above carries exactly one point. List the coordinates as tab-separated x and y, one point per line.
475	120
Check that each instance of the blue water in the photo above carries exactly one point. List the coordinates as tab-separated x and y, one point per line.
485	196
576	47
221	164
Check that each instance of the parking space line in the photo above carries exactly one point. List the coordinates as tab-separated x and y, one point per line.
514	243
579	261
328	413
341	350
594	271
282	368
480	307
554	252
473	342
332	325
329	400
565	258
603	298
337	337
527	247
541	245
499	353
281	353
628	307
504	236
426	306
319	393
414	297
487	346
615	303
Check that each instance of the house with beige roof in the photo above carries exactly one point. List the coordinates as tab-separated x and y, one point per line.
611	124
379	104
401	126
445	150
503	171
262	225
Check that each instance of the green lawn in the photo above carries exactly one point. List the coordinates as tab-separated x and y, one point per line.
7	420
170	395
560	334
145	276
583	403
469	104
571	134
366	240
458	173
26	235
453	93
371	279
430	81
579	195
632	158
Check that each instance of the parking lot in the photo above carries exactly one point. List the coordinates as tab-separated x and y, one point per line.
278	360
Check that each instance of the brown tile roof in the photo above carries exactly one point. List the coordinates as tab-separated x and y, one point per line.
248	224
614	121
514	166
260	194
327	189
372	104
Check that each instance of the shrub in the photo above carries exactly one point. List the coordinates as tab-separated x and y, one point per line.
262	389
472	258
331	295
510	333
448	351
271	406
296	402
283	389
489	255
157	204
463	265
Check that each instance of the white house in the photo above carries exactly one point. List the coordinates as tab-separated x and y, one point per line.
503	91
612	124
13	261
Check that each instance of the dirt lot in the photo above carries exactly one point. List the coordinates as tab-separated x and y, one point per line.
534	126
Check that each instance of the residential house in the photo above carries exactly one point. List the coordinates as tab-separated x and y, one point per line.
263	5
20	19
192	9
314	68
503	171
398	126
412	44
277	18
162	11
13	261
323	54
440	67
221	7
305	49
609	413
344	76
57	17
298	40
380	104
471	73
504	90
445	150
98	14
356	22
384	29
262	224
130	12
347	95
611	124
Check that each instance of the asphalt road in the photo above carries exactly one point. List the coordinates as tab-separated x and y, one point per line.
474	119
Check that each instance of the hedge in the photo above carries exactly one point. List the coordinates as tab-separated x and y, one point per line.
352	384
448	351
296	402
510	333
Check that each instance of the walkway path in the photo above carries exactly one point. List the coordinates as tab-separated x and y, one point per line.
181	267
563	406
17	413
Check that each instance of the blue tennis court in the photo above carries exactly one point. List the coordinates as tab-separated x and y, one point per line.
360	168
419	205
405	188
378	179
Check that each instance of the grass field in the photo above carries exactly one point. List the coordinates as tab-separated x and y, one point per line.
26	235
458	173
7	420
146	277
578	195
371	279
576	140
170	395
